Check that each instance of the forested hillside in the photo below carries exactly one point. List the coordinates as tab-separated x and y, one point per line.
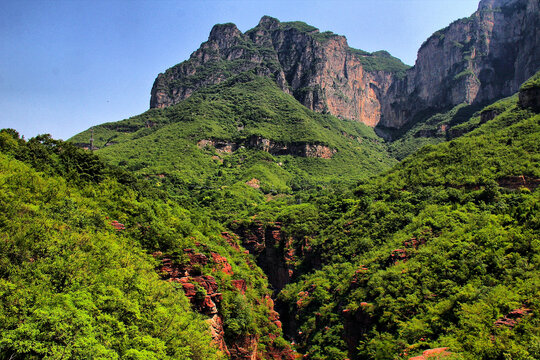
442	251
243	129
285	197
81	278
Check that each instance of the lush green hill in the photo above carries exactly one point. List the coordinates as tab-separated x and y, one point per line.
442	251
239	112
76	276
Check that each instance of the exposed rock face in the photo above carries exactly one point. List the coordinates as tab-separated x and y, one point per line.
226	52
474	60
530	99
513	317
320	70
270	146
276	253
266	243
438	353
205	297
218	334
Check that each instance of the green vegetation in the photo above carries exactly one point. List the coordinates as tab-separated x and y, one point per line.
73	285
235	111
433	128
463	74
298	25
380	61
533	82
436	253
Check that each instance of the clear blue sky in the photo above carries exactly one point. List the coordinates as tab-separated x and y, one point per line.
69	65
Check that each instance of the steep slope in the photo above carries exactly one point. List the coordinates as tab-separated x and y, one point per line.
473	61
242	129
319	69
444	253
84	254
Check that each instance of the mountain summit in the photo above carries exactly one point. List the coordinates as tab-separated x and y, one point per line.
474	60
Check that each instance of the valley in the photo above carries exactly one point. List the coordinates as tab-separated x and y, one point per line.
287	196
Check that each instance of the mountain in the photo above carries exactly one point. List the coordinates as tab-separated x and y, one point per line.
242	129
319	69
474	60
459	70
255	211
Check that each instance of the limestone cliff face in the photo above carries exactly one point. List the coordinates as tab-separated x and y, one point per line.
323	72
318	69
227	52
473	60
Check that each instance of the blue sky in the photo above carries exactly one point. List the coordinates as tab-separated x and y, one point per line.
69	65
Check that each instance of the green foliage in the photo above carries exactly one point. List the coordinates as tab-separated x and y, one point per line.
73	286
380	61
433	128
475	259
299	26
533	82
236	111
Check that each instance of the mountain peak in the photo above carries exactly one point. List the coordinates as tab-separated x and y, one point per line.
224	31
493	4
269	22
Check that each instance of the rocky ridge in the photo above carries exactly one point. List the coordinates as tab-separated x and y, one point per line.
318	69
474	60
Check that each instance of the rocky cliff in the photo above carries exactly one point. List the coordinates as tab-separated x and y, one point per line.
275	148
319	69
205	296
473	60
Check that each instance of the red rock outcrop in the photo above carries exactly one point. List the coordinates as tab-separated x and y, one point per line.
512	318
218	334
118	226
204	295
413	243
222	264
438	353
240	285
355	325
254	183
516	182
